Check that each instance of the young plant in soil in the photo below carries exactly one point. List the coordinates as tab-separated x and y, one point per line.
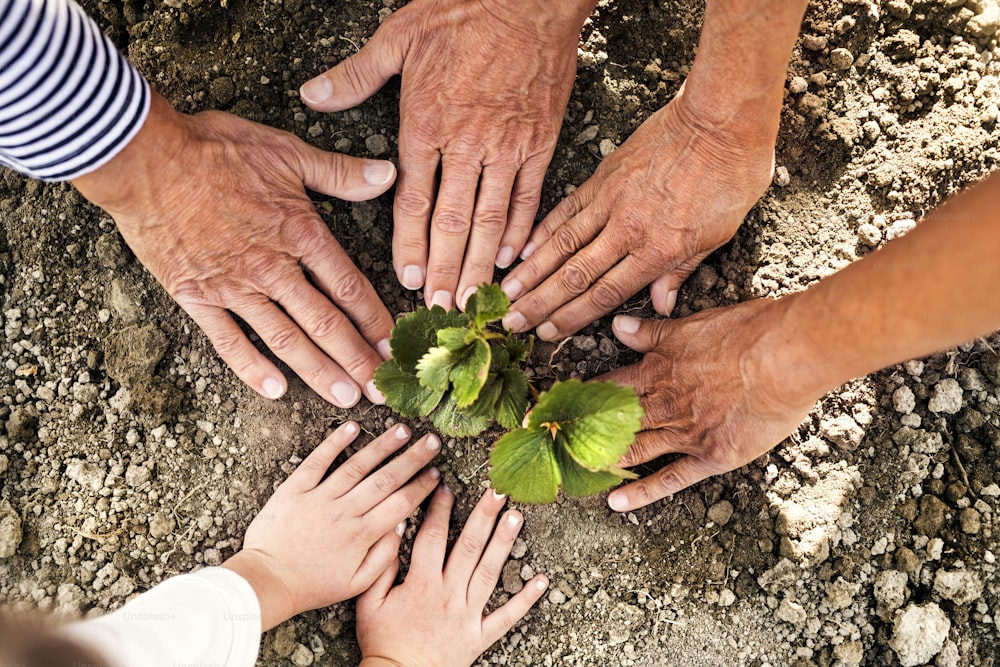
465	372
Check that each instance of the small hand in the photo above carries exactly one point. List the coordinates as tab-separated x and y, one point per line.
483	93
215	207
435	617
320	540
654	209
709	394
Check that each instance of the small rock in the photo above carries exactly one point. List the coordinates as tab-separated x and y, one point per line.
10	529
919	633
302	656
814	42
161	525
869	234
903	400
841	59
970	521
607	147
946	397
223	90
726	598
284	640
556	596
959	586
511	577
585	343
377	144
588	134
932	515
86	474
985	24
849	654
790	612
721	512
519	549
22	425
781	176
890	592
842	431
798	85
900	228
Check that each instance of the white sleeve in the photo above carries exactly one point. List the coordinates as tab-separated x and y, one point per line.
211	617
69	101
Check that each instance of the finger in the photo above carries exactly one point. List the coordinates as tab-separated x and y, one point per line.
641	335
236	350
487	573
475	535
411	209
310	472
356	468
557	271
379	558
389	478
488	224
499	623
342	176
663	291
358	77
333	272
652	444
606	293
450	227
286	339
431	542
402	503
667	481
524	200
372	599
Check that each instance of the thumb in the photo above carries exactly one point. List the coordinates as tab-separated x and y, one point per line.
641	335
343	176
359	77
663	290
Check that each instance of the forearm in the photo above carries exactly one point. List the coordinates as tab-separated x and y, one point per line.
738	76
275	601
932	289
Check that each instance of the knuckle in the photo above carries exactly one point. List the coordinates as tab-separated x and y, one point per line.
451	223
489	573
325	325
573	278
491	221
385	481
353	470
565	240
606	295
435	533
350	289
470	546
283	339
413	203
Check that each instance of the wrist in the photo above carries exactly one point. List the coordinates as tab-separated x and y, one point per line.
378	661
275	600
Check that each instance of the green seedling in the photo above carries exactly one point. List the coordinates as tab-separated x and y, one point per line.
465	373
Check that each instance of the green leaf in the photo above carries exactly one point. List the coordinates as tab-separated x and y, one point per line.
455	339
488	304
577	481
451	421
416	333
513	398
597	421
517	349
524	466
485	405
434	368
468	375
403	391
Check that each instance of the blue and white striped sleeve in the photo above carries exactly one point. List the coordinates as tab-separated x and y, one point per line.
69	101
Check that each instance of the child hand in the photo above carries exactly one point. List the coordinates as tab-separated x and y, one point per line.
319	541
435	617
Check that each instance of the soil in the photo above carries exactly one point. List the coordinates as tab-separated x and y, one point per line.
129	453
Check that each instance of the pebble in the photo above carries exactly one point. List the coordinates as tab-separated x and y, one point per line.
890	592
841	59
302	656
869	234
798	85
585	343
919	633
899	228
842	431
781	176
556	596
10	529
721	512
959	586
588	134
377	144
970	521
511	577
903	400
161	525
946	397
607	147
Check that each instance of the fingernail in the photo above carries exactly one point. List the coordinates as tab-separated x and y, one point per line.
374	395
433	443
512	288
498	495
383	348
547	331
345	393
442	298
401	527
272	387
350	428
402	433
378	172
618	502
447	489
315	91
542	584
671	301
413	277
505	257
515	322
465	297
513	519
528	250
435	473
626	324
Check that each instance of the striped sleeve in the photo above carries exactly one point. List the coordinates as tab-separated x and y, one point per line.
69	101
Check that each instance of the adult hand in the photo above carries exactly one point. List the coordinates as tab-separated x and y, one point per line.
214	206
321	540
435	617
708	385
483	93
676	190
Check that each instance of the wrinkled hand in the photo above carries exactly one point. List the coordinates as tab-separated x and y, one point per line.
654	209
214	206
708	387
435	617
319	541
483	93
